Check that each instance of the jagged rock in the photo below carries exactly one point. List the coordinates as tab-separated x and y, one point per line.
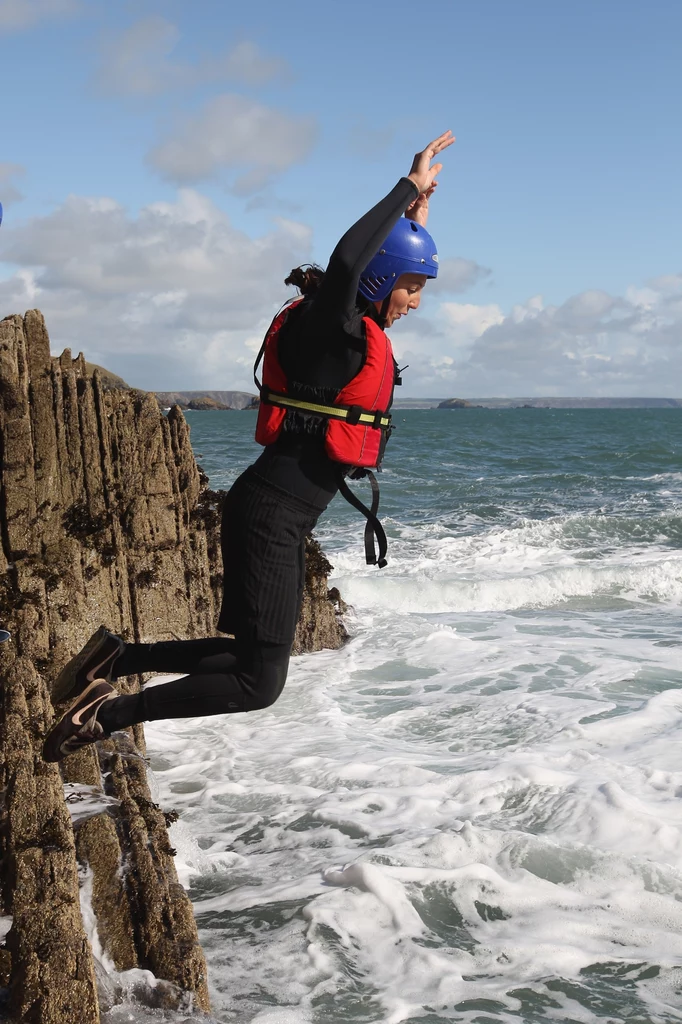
104	518
52	974
109	379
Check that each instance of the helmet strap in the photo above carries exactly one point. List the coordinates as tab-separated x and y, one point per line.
383	312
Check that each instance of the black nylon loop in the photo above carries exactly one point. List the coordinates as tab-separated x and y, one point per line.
257	364
373	528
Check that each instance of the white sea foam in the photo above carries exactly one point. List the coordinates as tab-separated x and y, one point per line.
660	581
85	802
495	831
472	812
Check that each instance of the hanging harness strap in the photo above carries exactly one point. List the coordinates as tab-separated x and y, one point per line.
285	307
350	413
373	527
261	353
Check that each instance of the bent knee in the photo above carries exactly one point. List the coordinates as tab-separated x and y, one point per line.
264	687
262	700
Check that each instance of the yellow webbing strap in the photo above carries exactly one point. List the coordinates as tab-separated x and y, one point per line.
338	412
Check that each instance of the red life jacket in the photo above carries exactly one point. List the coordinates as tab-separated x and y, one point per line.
358	421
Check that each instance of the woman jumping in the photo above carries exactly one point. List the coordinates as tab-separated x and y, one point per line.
328	377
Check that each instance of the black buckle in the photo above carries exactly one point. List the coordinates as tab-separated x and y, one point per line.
354	414
378	417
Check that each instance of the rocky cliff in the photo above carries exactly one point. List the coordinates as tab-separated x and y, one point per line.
206	399
104	518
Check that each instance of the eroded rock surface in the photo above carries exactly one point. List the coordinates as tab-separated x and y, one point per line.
104	518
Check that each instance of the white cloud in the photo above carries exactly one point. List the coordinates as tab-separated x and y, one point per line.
175	296
587	308
9	193
246	63
468	321
592	344
16	15
141	61
170	298
235	134
136	63
457	275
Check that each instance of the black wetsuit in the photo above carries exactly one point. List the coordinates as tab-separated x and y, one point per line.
269	511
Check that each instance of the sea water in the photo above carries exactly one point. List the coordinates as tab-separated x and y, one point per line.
473	811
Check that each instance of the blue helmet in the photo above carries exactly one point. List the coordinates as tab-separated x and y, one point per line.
409	249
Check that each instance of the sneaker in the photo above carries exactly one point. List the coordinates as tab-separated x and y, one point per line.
94	661
79	726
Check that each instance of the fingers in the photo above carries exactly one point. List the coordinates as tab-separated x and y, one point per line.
441	143
421	173
422	200
435	147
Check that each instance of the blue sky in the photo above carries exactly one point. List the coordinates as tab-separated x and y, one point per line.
164	164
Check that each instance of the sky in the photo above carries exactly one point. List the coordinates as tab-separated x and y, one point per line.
164	164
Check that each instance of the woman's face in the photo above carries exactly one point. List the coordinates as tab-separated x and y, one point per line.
405	296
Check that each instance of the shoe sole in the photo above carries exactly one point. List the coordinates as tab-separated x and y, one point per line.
67	685
82	712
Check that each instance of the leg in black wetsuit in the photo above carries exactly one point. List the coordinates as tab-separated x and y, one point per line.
222	679
263	546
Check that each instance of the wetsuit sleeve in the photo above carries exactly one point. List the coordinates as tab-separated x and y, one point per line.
337	296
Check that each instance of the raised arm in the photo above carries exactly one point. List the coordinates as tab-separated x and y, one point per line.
338	292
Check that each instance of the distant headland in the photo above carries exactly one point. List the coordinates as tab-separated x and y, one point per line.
193	400
243	400
539	403
203	400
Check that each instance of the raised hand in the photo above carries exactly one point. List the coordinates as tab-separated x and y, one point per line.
418	210
422	173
